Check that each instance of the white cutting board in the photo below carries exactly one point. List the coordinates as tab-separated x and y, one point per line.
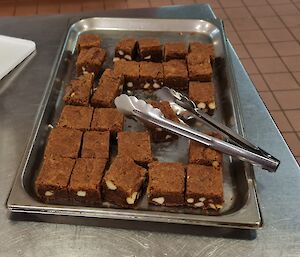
12	52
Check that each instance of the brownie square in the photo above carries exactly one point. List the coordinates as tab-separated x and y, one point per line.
107	119
123	182
201	154
85	182
79	90
206	49
51	185
151	75
176	50
203	94
90	60
175	74
130	70
109	87
166	184
199	67
158	134
86	41
135	145
95	145
64	143
126	49
204	187
150	49
76	117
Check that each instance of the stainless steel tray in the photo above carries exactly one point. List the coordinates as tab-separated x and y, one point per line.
241	208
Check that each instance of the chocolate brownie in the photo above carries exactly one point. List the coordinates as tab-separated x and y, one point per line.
150	49
51	185
85	182
176	50
90	60
206	49
63	142
76	117
123	182
203	94
166	184
199	67
79	90
130	70
201	154
107	119
95	144
158	134
204	187
151	75
135	145
126	49
86	41
175	74
109	87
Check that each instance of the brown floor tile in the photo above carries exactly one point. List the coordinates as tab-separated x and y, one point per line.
297	76
241	51
272	22
288	100
262	11
116	4
231	3
261	50
138	3
48	7
241	24
287	48
26	8
92	5
228	25
281	81
286	9
233	37
279	1
182	1
70	6
157	3
255	2
293	142
298	160
270	65
291	20
249	66
259	82
7	9
292	62
281	121
278	35
269	101
294	118
237	12
219	12
212	3
252	36
296	32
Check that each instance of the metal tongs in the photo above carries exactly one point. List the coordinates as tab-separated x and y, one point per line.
241	148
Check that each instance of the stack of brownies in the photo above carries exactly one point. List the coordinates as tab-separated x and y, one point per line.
79	167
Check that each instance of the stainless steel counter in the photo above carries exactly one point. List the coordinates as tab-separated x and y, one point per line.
20	96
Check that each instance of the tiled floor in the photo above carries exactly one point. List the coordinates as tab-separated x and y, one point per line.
265	34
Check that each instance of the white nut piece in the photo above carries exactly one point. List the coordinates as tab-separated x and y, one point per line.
219	206
128	57
131	199
49	193
83	68
159	200
202	199
190	200
199	204
148	57
215	164
146	86
73	94
120	52
156	86
212	206
212	105
81	193
168	137
158	129
129	84
110	185
115	59
201	105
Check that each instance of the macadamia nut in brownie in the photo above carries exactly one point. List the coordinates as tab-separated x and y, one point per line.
151	75
123	182
175	74
204	187
176	50
166	184
126	49
150	49
86	41
95	144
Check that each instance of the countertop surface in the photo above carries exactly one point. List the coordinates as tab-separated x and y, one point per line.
20	97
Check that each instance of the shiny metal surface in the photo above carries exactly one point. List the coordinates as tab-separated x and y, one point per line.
20	96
